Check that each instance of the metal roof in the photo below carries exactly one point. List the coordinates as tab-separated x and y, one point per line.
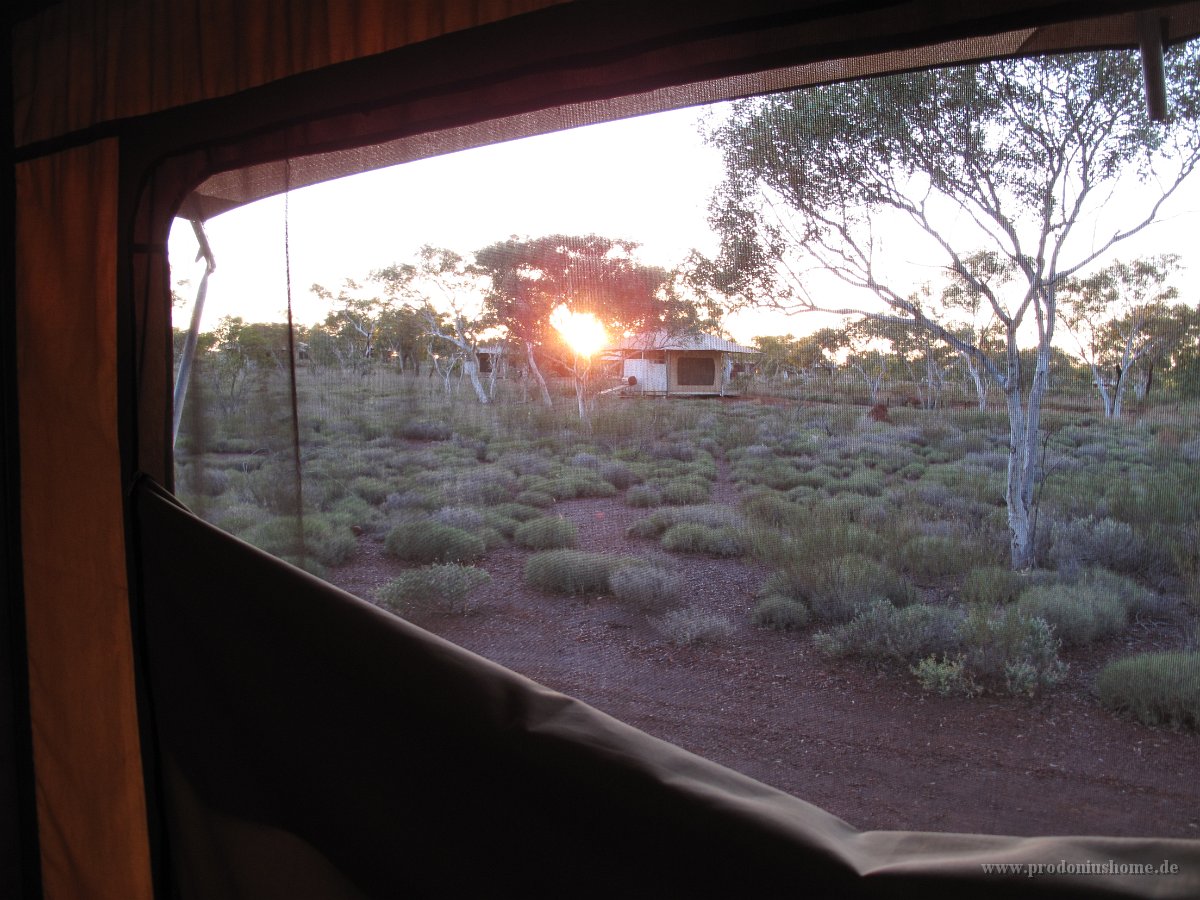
661	340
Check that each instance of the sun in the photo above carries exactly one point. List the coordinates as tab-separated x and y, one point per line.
582	331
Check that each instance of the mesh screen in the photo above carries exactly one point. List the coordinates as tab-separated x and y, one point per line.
810	558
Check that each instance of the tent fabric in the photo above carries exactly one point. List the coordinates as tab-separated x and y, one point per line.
81	681
121	108
306	731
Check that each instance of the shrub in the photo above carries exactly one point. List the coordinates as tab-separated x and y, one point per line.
992	586
437	588
1100	542
546	533
1010	652
932	556
424	431
570	571
1078	613
946	677
685	627
618	475
642	496
539	499
779	612
324	541
714	516
427	541
519	511
684	491
690	537
1134	599
883	632
1154	688
374	490
838	589
468	518
646	587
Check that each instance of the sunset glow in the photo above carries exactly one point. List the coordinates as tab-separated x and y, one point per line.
582	331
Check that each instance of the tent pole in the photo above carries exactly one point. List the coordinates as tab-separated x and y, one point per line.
193	335
1150	41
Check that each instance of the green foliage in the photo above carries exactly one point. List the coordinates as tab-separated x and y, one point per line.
1078	613
373	490
934	556
837	589
883	632
684	491
691	537
1009	652
992	586
428	541
1154	688
424	431
546	533
688	626
324	541
570	571
436	588
646	587
643	496
780	613
538	499
712	516
946	677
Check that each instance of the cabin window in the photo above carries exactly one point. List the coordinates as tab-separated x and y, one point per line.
697	371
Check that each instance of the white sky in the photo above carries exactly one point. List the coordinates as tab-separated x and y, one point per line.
647	179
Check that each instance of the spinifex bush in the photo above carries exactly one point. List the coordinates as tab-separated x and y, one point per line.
691	537
571	571
1009	652
643	496
684	491
992	586
646	587
883	632
685	627
324	541
427	541
1154	688
437	588
711	515
779	612
837	589
546	533
1079	613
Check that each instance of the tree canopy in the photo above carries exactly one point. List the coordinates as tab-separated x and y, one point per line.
1007	170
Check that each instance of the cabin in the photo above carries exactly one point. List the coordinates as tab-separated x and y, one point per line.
681	365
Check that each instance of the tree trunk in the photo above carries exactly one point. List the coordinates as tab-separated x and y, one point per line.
537	374
471	369
1023	424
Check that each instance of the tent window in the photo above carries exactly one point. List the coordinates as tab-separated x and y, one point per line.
697	370
826	584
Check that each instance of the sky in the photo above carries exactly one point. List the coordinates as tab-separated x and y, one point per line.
647	179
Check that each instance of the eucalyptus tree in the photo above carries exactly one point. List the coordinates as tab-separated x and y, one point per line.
1119	317
533	277
1021	158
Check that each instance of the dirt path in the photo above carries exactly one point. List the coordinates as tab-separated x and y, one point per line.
868	746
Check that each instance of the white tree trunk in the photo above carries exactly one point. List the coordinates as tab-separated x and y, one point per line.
537	375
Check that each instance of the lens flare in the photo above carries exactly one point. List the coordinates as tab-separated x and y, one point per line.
582	331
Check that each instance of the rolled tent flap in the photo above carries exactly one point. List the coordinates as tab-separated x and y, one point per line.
232	188
315	745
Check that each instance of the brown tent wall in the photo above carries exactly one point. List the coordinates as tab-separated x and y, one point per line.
121	110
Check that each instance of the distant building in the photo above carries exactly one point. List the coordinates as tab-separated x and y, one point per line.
664	364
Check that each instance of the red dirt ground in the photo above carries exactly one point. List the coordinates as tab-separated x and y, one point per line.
866	745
